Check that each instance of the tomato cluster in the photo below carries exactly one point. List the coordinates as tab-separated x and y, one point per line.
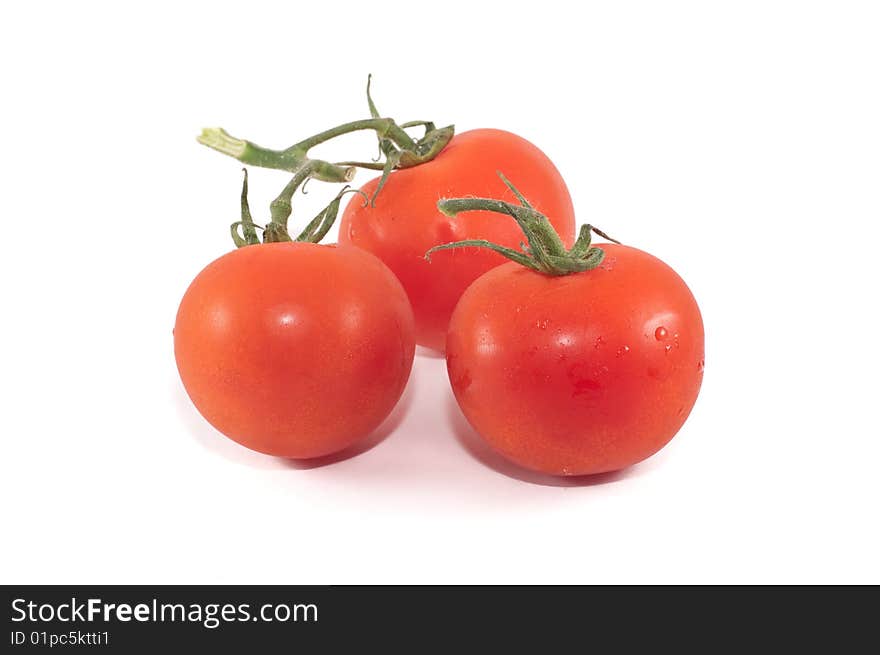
571	359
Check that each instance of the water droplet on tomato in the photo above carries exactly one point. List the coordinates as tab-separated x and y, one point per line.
622	350
660	333
701	365
542	325
668	348
599	342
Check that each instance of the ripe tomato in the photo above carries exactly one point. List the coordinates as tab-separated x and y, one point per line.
295	349
405	222
582	373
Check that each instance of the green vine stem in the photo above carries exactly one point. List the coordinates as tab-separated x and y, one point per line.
545	251
399	148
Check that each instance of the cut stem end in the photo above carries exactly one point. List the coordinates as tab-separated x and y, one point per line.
221	141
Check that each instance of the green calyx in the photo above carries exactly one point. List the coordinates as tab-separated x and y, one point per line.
545	251
399	148
244	232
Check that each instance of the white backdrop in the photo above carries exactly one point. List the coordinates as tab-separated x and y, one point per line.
739	142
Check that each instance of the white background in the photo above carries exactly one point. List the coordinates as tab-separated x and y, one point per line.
738	141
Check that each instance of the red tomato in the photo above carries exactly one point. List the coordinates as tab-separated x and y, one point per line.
579	374
405	222
295	349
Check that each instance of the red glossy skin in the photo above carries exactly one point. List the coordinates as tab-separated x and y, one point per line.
295	349
580	374
405	222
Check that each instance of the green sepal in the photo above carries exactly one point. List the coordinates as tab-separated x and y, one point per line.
319	226
545	251
510	253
